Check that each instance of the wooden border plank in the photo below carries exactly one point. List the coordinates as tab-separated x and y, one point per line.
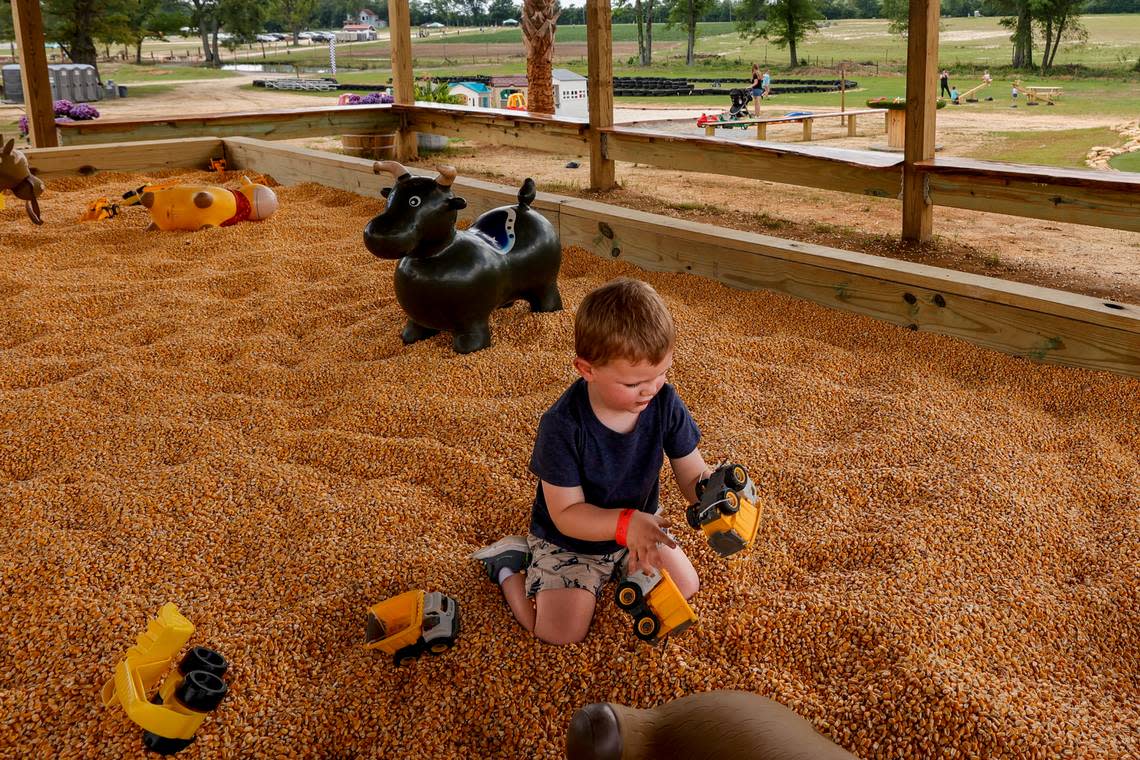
1076	196
861	172
273	125
195	152
503	128
288	165
1023	320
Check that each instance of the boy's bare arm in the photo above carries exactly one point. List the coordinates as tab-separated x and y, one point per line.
688	470
573	516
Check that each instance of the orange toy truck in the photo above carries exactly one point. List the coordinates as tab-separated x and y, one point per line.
412	623
657	606
729	511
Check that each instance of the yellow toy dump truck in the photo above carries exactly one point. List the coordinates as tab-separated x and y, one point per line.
729	511
412	623
657	606
170	718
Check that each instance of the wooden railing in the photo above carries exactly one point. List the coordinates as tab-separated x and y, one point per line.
1075	196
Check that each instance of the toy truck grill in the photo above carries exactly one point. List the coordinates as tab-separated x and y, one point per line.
729	511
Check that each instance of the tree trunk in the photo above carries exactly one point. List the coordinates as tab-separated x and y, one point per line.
792	41
1057	41
1048	45
539	23
1023	39
639	17
138	53
691	23
648	32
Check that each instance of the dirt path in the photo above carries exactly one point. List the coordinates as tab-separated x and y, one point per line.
1100	262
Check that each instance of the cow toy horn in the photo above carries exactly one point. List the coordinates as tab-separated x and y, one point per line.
395	168
446	176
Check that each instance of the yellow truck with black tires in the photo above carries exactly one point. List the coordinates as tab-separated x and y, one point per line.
729	511
656	604
410	624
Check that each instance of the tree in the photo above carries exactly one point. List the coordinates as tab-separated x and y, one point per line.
501	10
688	12
138	20
1058	20
294	15
539	23
781	22
75	24
640	13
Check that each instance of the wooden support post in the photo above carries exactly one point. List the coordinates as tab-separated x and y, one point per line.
921	110
600	90
762	131
403	82
29	29
851	125
807	130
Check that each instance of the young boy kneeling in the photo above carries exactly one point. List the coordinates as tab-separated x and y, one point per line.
598	456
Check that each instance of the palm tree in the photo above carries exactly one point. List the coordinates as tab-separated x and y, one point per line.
539	22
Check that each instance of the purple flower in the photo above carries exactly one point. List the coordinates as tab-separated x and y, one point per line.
369	99
82	112
23	123
62	107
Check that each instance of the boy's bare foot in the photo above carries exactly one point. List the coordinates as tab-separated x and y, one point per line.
510	553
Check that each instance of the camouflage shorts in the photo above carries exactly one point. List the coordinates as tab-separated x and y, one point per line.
553	567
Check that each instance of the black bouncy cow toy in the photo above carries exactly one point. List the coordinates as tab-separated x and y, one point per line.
450	279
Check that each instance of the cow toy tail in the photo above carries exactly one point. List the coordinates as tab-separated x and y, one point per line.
526	194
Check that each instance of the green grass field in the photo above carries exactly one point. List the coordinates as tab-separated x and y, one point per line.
1129	162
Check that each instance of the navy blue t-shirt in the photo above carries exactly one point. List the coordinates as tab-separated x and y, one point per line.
615	470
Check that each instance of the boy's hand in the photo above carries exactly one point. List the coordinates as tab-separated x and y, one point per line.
645	534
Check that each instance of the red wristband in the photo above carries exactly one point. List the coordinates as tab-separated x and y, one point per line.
622	525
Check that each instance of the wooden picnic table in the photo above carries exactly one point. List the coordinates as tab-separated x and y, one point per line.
761	124
1035	93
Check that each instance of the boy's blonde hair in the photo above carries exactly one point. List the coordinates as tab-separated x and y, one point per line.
623	319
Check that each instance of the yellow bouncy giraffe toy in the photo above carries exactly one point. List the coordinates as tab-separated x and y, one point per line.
192	207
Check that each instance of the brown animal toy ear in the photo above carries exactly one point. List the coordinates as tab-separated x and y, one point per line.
203	200
395	168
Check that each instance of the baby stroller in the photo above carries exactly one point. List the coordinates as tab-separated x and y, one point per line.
740	100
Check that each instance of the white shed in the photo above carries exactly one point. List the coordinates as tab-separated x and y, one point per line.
570	94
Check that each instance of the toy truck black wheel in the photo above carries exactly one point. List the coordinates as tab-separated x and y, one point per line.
203	658
405	655
736	476
729	503
163	746
693	515
201	691
646	626
628	595
439	646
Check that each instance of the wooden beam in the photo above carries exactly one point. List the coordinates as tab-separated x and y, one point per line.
403	81
501	127
600	90
1023	320
921	113
29	32
1076	196
290	124
195	152
862	172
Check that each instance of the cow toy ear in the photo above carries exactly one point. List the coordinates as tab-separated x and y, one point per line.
386	192
456	203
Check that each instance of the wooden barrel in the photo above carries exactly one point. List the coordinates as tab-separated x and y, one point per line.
380	147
